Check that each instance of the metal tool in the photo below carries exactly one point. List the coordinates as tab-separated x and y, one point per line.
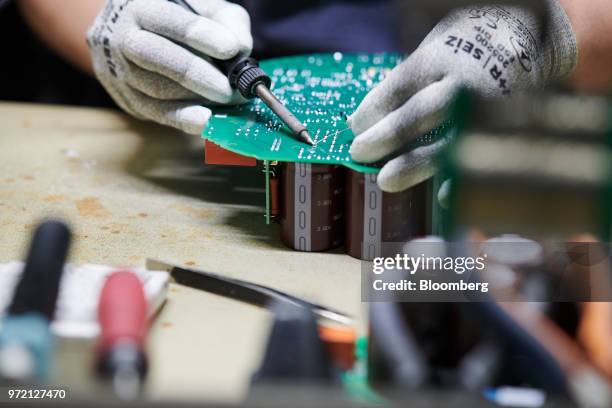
248	292
251	81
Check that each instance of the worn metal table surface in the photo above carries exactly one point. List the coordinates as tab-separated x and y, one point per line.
133	190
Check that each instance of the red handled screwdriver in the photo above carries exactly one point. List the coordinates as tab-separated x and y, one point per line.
122	313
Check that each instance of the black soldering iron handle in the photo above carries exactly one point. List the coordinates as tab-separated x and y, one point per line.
228	67
244	74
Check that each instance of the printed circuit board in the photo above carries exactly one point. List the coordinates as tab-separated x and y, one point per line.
322	90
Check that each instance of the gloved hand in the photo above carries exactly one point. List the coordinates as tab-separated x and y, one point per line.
492	50
148	54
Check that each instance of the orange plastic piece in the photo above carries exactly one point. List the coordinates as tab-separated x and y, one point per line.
274	197
340	343
214	154
595	327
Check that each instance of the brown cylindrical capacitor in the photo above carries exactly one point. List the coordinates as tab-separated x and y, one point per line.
374	217
312	206
275	199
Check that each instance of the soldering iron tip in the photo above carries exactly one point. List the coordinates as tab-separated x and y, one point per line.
305	136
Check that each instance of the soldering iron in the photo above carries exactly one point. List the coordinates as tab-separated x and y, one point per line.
251	81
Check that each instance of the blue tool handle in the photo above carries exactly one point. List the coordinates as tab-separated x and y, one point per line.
26	347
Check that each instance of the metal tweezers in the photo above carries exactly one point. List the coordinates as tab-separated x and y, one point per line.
243	291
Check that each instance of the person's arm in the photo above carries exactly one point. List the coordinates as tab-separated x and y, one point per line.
63	26
592	24
150	55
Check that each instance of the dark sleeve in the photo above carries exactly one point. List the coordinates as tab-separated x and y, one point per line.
22	78
4	3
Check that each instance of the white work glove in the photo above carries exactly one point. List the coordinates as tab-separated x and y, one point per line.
149	55
491	50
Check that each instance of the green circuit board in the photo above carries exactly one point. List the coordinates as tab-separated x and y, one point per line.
322	90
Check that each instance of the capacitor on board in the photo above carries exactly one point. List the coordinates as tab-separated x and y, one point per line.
374	217
312	206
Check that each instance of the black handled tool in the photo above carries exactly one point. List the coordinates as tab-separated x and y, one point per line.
248	292
38	287
26	341
251	81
